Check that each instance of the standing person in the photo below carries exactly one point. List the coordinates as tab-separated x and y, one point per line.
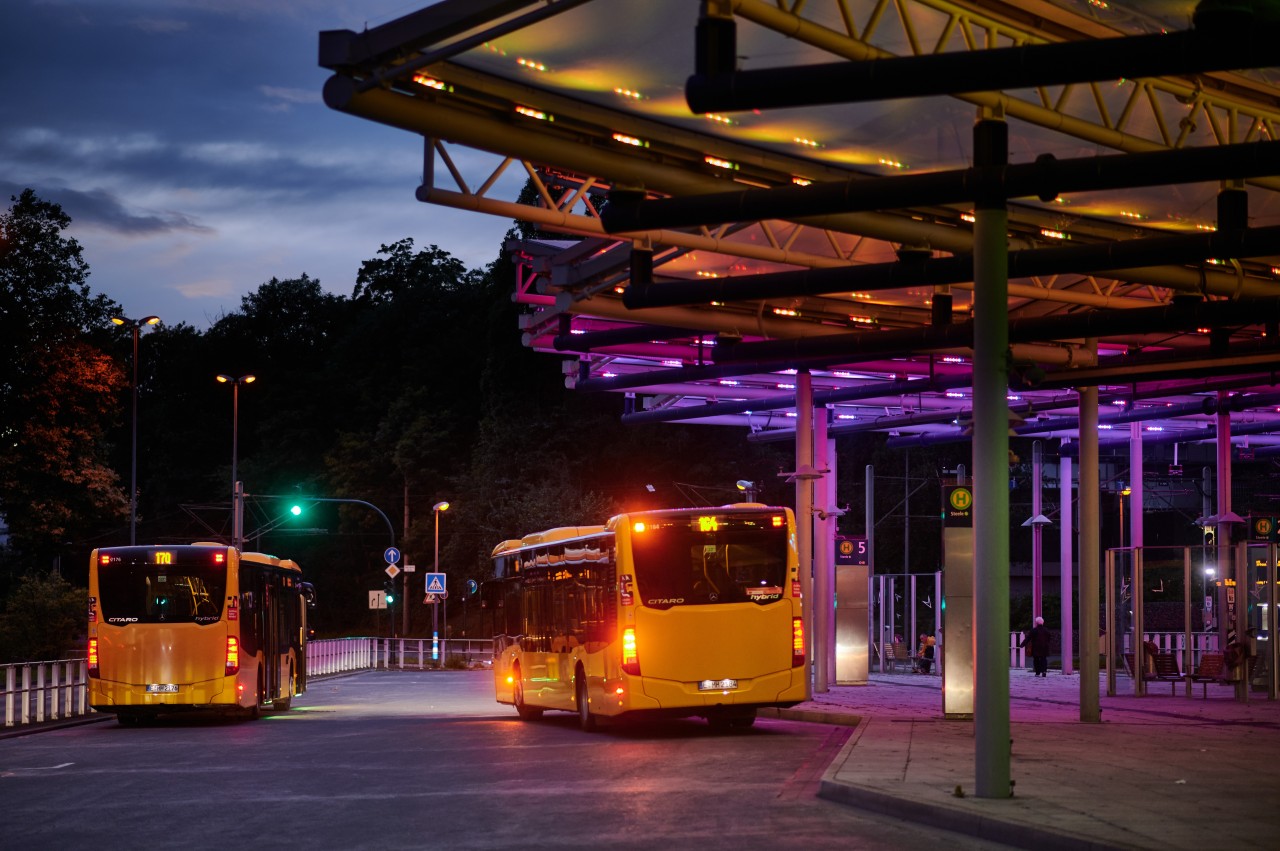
1038	641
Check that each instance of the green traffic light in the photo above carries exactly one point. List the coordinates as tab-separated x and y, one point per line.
296	510
391	598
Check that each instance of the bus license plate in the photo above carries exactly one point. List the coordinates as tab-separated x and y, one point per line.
162	688
716	685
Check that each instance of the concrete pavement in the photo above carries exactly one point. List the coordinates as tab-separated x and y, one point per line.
1158	772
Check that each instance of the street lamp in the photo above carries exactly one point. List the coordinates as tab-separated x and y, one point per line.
135	325
436	509
236	515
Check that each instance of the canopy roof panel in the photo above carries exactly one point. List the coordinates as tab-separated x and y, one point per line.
589	96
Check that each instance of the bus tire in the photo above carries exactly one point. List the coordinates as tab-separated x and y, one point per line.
254	712
524	710
586	718
282	704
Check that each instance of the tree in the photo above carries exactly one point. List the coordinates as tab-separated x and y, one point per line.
44	619
56	386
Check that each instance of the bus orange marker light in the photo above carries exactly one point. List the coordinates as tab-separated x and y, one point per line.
630	656
777	521
797	642
638	526
93	657
233	655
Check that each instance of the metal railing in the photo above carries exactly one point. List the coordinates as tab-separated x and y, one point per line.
338	655
45	691
422	653
36	692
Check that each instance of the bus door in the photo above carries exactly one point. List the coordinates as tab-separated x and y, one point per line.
271	649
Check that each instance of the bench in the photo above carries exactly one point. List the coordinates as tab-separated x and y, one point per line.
1210	670
1166	669
901	656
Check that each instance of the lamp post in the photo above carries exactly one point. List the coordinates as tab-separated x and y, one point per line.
237	516
436	509
135	325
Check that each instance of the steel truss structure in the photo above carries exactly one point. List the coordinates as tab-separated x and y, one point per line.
541	87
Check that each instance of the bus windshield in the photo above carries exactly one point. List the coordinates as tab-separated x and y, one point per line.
711	559
135	592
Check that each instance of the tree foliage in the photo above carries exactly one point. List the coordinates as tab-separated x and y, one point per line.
56	384
43	619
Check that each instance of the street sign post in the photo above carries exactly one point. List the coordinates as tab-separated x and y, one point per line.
436	584
391	555
377	600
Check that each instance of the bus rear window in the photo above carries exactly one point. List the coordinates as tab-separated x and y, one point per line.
154	593
725	559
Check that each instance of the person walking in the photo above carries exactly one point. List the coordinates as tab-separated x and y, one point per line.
1038	642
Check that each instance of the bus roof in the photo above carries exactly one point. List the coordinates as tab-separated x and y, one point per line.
744	507
549	536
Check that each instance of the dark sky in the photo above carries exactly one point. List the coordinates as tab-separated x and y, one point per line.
188	142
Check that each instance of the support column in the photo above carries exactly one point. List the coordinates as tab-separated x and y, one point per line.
991	464
1090	708
804	506
1037	535
1135	484
869	525
832	496
1066	559
823	553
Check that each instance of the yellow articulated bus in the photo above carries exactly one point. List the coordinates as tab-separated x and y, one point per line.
677	612
200	626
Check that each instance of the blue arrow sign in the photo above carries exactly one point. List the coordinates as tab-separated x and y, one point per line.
435	583
392	555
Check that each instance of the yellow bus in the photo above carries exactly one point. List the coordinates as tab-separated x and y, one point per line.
200	626
675	612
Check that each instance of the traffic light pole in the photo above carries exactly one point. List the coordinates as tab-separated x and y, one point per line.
385	519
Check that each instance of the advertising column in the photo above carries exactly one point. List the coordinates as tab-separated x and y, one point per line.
957	601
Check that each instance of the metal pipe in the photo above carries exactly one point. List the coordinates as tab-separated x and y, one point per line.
1046	178
1179	316
1246	43
1118	259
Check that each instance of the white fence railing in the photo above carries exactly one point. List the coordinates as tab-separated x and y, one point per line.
338	655
421	653
45	691
37	692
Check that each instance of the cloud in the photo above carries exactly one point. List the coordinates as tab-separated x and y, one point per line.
97	208
160	26
282	99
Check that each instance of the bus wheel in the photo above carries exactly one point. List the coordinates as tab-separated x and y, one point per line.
586	719
282	704
253	713
525	711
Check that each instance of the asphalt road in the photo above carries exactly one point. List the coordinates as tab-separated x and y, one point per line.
429	760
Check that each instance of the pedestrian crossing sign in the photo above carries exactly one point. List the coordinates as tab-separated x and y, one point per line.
435	583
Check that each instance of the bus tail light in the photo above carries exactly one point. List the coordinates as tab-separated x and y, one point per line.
93	657
630	658
233	655
797	642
